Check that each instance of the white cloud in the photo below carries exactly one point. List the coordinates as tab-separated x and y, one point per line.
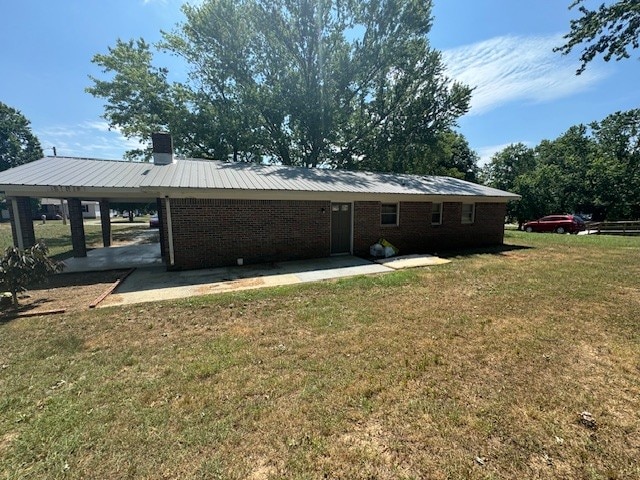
92	139
511	68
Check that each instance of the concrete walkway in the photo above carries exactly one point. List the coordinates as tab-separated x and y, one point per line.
150	281
154	284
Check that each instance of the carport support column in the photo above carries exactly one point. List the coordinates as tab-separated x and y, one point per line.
21	222
105	221
161	230
167	205
77	228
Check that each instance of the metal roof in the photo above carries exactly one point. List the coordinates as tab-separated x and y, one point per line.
60	175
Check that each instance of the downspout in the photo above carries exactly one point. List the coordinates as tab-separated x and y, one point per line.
169	231
16	221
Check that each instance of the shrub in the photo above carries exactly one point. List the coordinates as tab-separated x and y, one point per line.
20	269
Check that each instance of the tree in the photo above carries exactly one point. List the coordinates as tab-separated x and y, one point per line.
17	144
448	153
20	269
616	172
573	155
609	31
588	169
337	83
541	190
504	169
507	165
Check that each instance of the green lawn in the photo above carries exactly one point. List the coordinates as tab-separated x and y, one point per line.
476	369
57	236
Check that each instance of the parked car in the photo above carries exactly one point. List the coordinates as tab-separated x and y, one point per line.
556	223
154	222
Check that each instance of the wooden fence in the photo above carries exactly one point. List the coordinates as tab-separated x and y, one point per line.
614	228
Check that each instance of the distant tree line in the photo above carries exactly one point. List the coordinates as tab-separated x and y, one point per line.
592	169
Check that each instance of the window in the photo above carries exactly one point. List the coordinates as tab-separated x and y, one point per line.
389	214
436	214
85	208
468	212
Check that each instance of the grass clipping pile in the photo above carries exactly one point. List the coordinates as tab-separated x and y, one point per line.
64	292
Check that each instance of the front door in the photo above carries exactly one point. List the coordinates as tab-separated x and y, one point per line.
340	228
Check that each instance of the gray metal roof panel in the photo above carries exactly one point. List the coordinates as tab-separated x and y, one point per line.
207	174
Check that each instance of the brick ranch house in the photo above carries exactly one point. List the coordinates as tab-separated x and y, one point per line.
213	213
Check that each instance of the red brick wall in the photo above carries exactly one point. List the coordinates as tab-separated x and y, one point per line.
211	233
415	234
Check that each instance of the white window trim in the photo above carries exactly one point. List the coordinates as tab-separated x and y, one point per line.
441	210
397	205
473	214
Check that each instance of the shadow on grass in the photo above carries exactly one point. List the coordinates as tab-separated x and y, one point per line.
60	280
79	279
11	312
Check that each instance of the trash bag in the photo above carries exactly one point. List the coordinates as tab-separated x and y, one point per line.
376	250
389	250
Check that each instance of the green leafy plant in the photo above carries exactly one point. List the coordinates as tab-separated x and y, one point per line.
20	269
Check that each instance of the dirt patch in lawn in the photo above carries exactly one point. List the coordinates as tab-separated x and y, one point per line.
70	292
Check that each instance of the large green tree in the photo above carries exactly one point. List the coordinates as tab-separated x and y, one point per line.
447	153
18	144
610	30
503	171
588	169
342	83
615	174
572	153
507	165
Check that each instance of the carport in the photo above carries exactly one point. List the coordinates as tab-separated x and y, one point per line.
19	204
83	179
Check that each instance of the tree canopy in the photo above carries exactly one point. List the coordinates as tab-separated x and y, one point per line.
337	83
18	144
588	169
611	31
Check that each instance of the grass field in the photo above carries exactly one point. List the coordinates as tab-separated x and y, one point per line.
57	236
477	369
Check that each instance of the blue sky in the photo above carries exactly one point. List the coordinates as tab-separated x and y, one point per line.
523	91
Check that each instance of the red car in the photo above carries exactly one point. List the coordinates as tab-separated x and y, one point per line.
556	223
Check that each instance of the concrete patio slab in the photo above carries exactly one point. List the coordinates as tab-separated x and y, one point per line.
154	284
115	258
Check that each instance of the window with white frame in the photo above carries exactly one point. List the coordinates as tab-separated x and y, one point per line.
436	214
389	214
468	212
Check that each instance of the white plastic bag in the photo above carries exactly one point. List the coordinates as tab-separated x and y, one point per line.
376	250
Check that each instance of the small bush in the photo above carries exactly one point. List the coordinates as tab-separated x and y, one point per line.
20	269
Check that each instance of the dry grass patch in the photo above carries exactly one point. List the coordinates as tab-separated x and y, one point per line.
476	369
